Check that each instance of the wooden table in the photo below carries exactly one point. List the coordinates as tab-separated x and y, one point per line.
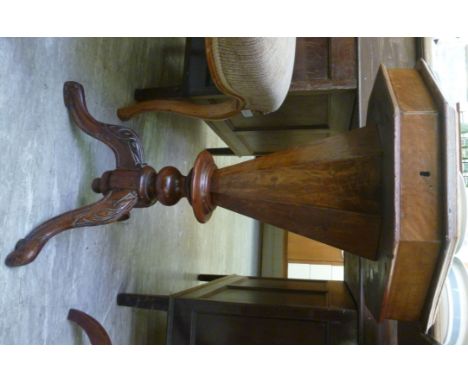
386	192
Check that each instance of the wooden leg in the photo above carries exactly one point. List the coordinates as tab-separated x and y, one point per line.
96	333
124	142
220	151
219	111
114	206
154	302
209	277
158	93
116	203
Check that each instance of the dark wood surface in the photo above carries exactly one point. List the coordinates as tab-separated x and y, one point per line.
94	330
131	184
324	63
250	310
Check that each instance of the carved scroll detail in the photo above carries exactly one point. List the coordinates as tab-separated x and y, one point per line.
108	214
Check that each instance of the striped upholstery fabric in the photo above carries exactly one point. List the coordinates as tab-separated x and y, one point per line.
256	70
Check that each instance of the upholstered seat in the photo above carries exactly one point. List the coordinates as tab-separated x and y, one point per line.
255	72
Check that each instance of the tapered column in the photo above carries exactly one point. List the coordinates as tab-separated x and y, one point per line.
329	190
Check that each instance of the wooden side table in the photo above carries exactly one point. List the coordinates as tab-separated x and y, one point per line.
252	310
386	192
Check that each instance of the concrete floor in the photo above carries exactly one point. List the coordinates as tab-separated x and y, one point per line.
47	165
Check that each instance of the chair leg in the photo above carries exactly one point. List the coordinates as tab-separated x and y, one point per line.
154	302
219	111
221	151
96	333
158	93
209	277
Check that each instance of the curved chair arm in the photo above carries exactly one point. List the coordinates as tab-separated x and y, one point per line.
96	333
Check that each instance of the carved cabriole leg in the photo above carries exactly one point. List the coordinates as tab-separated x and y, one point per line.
124	142
131	188
219	111
96	333
114	206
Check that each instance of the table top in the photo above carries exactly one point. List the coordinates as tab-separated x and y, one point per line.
419	195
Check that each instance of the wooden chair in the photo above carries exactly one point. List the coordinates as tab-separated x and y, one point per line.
255	74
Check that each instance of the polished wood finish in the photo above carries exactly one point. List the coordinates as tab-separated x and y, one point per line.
252	310
303	250
385	192
96	333
420	218
131	185
327	190
218	111
324	63
113	207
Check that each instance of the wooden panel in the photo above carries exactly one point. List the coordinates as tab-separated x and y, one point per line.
304	250
340	111
308	111
420	178
412	256
270	297
218	329
324	64
272	283
311	61
268	141
273	262
342	64
411	92
395	52
251	310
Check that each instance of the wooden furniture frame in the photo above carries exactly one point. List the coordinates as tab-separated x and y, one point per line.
196	82
321	100
253	310
385	192
94	330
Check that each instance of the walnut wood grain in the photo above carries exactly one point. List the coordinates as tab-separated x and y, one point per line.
108	210
124	142
94	330
131	184
400	284
328	190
